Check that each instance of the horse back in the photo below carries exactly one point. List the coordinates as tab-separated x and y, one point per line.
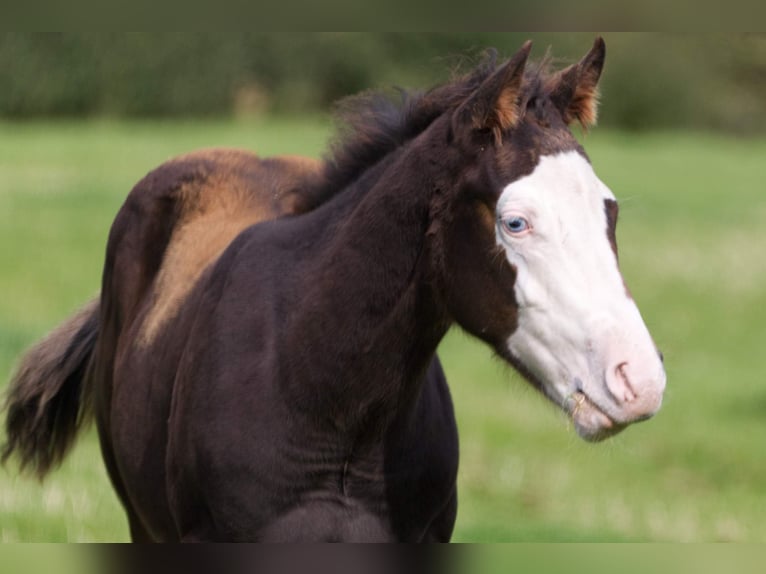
180	217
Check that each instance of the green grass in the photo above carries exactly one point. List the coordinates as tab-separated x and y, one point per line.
691	235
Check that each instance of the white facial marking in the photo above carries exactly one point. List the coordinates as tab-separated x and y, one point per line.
579	333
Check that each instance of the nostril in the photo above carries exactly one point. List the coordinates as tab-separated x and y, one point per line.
620	387
662	357
634	386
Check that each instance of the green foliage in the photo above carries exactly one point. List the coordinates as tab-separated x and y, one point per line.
651	80
691	233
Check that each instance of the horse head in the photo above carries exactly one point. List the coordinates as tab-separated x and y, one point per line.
529	255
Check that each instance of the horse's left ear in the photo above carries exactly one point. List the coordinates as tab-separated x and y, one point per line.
495	103
574	90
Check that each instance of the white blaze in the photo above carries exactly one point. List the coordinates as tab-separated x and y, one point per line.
578	330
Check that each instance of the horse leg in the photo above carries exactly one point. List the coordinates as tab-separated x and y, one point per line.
138	533
440	529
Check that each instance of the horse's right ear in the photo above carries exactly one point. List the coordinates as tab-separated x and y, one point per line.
495	103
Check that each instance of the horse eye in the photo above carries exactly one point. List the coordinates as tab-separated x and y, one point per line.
516	224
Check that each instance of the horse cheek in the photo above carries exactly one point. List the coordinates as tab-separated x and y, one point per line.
481	290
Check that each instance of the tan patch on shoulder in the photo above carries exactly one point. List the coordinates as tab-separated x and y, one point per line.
193	247
300	164
288	178
239	191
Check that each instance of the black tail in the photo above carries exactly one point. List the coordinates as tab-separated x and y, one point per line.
47	399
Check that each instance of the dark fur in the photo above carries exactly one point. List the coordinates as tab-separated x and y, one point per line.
47	402
294	394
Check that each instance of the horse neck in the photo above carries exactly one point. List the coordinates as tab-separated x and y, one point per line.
369	307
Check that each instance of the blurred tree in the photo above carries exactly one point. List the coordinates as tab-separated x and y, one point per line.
651	80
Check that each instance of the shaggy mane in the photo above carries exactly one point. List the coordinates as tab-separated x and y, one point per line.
372	124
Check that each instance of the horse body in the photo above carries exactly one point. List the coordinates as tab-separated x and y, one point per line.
229	321
288	431
259	377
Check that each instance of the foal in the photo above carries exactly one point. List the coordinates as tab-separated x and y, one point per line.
280	392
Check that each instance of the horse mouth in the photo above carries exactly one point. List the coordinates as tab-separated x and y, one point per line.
590	421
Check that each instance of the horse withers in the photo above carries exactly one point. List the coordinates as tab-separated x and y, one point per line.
262	378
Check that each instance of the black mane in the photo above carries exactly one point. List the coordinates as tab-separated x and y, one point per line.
372	124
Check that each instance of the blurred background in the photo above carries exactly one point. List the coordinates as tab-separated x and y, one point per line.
659	81
681	141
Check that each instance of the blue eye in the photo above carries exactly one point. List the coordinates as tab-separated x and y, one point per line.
515	224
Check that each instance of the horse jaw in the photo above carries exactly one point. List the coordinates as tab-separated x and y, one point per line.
579	334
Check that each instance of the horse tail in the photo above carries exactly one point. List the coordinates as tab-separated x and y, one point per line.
48	400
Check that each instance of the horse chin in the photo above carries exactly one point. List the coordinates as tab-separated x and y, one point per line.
591	423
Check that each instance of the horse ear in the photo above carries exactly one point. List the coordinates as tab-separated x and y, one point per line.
495	103
574	90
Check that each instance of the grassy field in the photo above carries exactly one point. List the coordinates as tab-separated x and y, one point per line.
692	237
